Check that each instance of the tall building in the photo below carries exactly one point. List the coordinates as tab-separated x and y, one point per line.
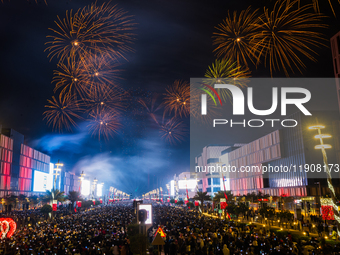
210	157
19	164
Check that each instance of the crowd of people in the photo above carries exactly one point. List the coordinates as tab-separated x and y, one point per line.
103	230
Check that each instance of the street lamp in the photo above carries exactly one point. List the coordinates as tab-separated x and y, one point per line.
323	148
94	186
81	178
57	171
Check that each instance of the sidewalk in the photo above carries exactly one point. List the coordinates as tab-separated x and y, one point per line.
273	227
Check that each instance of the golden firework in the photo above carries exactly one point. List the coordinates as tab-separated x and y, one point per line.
100	72
61	112
69	79
234	38
177	99
105	28
104	123
172	131
288	32
151	106
225	71
110	100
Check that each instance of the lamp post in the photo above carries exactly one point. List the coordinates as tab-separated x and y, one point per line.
323	148
94	187
81	178
57	171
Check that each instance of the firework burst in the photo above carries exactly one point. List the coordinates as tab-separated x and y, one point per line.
177	99
287	34
172	131
105	28
224	71
61	112
111	100
104	123
195	107
151	106
100	72
69	79
234	38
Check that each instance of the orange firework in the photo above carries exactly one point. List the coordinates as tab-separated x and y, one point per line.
105	28
177	99
234	38
151	106
109	100
69	79
172	131
99	71
104	123
61	112
288	32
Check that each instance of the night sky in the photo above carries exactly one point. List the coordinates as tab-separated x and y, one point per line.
173	41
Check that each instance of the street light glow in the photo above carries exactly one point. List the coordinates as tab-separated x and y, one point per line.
322	136
322	146
316	127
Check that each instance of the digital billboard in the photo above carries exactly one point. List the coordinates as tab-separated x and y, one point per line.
42	181
148	209
99	190
85	187
187	184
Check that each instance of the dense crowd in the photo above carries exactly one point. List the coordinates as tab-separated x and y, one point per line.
103	230
100	230
187	233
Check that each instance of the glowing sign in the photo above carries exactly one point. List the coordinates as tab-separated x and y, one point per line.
99	190
8	227
187	184
85	187
172	188
160	231
42	181
148	208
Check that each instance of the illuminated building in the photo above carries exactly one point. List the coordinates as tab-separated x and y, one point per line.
281	148
20	162
210	157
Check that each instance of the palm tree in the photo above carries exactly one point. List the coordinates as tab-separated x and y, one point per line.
34	200
54	195
202	196
73	196
22	199
10	200
221	194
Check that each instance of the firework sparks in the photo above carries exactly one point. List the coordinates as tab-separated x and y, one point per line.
100	73
110	100
172	131
224	71
61	112
105	28
195	107
234	38
286	34
104	123
151	107
177	99
69	79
